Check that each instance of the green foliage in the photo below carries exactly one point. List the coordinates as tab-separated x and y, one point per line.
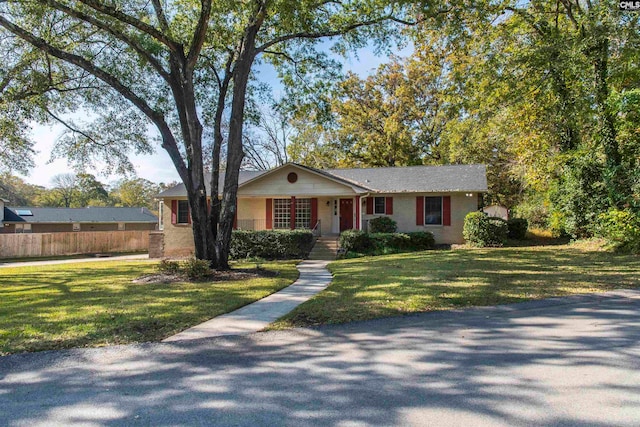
517	228
195	269
534	208
382	224
355	241
137	192
271	244
167	266
579	197
622	228
481	231
359	242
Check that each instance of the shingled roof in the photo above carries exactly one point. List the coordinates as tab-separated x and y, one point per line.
417	179
79	215
409	179
180	191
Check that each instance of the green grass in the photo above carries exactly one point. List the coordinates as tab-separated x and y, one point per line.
392	285
95	304
65	257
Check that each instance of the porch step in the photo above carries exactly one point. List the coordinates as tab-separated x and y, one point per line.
325	248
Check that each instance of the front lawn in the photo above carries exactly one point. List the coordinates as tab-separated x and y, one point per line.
93	304
391	285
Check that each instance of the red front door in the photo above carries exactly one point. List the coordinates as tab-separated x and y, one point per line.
346	214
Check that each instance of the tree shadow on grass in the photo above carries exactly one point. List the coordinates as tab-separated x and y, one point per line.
534	363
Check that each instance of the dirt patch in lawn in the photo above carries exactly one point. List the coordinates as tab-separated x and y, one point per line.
215	276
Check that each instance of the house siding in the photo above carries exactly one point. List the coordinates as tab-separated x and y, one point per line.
178	238
308	185
404	214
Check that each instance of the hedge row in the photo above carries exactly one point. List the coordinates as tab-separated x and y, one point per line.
271	244
378	243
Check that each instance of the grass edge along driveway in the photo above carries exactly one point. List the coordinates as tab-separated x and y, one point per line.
392	285
94	304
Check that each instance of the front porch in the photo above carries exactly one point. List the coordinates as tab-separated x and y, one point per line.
327	215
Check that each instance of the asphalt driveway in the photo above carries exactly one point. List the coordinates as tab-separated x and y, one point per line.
573	361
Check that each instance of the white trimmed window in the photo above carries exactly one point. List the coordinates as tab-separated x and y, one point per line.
183	212
121	226
433	210
379	205
282	213
76	226
303	213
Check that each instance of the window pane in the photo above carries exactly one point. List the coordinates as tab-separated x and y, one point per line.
378	207
282	213
183	211
303	213
433	210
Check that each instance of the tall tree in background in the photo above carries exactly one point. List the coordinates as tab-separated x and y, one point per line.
136	192
162	63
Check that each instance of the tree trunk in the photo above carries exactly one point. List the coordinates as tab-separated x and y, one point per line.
235	153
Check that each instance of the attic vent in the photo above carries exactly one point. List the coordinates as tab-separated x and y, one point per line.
24	212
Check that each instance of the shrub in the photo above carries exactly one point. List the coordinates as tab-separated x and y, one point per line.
389	242
420	240
481	230
383	243
355	241
271	244
382	224
621	227
196	269
517	228
168	267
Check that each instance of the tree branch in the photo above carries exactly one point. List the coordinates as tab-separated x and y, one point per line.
199	35
109	29
169	142
134	22
321	34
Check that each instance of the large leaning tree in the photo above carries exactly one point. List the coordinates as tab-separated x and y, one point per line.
184	67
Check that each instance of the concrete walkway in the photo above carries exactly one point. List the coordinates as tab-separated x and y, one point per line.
314	277
73	260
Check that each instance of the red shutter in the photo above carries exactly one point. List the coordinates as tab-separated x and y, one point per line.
174	211
446	210
358	222
369	202
314	212
269	212
419	210
389	205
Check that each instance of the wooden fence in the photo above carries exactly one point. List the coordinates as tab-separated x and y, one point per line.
88	242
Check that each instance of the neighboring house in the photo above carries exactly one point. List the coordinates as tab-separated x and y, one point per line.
52	220
418	198
497	211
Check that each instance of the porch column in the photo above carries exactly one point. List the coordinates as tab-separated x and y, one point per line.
358	225
292	220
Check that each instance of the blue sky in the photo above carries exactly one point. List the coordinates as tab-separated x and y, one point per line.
158	167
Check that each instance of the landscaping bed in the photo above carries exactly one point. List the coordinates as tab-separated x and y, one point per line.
95	304
391	285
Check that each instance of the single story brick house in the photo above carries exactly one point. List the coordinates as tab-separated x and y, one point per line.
55	220
292	196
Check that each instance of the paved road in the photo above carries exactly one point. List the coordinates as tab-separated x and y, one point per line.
562	362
